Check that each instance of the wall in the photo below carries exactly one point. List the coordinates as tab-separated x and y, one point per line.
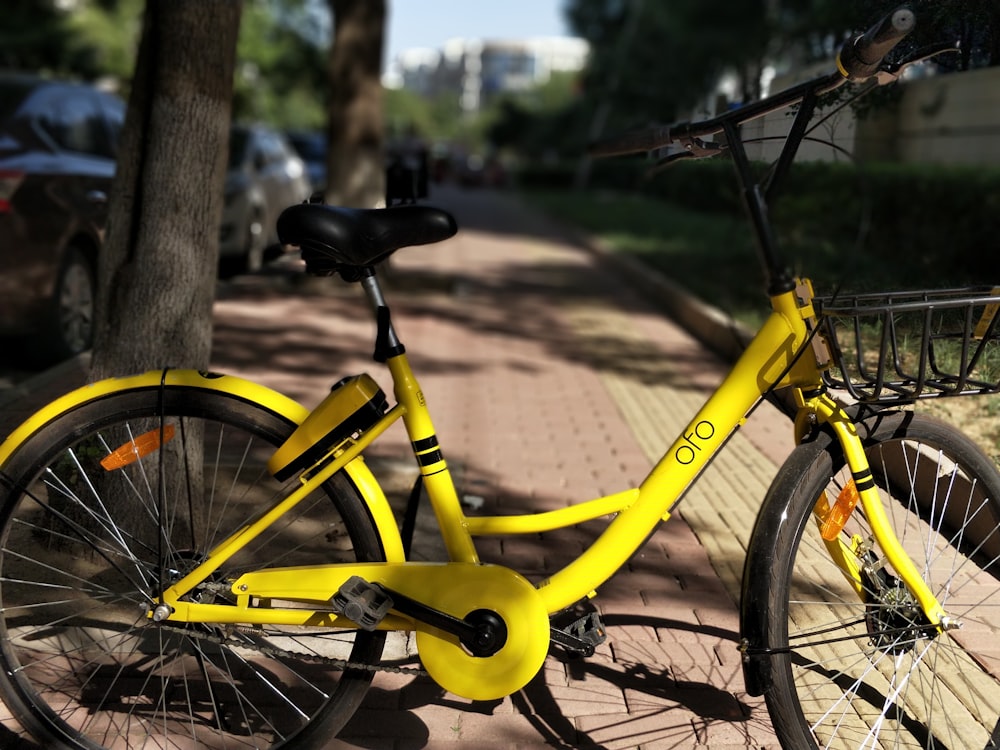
951	119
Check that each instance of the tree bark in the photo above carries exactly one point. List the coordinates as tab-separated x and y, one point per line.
356	160
157	271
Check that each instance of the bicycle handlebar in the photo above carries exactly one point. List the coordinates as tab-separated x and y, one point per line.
635	142
861	57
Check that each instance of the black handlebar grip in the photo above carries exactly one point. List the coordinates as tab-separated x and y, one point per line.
861	57
636	142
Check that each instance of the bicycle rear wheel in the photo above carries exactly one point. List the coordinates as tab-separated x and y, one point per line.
83	548
845	668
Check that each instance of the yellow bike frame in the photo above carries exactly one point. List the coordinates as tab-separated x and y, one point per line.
774	359
777	357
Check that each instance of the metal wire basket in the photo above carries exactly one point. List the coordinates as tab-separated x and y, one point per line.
904	346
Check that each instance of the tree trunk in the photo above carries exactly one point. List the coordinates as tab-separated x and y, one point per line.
157	272
994	34
356	160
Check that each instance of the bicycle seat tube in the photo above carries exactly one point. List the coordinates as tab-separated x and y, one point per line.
420	429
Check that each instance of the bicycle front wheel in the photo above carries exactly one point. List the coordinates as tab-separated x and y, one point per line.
847	656
85	547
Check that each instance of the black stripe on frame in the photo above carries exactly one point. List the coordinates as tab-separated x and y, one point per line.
426	444
863	480
427	459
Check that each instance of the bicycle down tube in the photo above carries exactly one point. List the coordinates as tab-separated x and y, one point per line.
773	359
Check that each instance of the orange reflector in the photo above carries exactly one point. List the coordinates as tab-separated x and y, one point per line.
836	517
135	449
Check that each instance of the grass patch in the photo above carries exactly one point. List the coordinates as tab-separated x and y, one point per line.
712	255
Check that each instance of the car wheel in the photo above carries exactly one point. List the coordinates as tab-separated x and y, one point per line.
69	327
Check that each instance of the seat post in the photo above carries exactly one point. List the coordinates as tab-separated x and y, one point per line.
387	343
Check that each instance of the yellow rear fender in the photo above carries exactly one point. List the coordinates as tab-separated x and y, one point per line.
229	385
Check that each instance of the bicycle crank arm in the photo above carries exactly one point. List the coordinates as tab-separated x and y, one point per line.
481	631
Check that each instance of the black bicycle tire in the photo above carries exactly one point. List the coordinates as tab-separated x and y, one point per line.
234	412
775	547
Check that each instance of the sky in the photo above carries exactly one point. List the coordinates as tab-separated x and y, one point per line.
430	23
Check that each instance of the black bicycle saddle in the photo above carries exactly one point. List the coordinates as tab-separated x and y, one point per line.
337	239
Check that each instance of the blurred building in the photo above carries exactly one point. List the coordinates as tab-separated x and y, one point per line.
476	70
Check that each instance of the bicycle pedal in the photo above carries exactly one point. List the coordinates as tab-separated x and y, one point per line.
581	636
589	629
365	603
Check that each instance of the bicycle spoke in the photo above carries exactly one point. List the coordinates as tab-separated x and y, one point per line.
82	659
866	669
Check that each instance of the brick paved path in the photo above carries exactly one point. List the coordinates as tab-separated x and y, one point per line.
551	381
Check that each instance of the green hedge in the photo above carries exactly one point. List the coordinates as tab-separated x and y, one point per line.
918	215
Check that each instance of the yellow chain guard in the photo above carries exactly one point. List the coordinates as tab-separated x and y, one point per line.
518	603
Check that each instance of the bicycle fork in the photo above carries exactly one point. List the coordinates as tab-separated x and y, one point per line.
848	556
814	406
892	590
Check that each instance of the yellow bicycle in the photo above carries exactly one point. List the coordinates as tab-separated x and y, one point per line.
192	560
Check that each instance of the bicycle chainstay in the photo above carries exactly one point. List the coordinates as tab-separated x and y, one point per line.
570	641
274	651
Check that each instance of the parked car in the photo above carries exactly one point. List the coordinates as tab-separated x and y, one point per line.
58	143
311	148
264	177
